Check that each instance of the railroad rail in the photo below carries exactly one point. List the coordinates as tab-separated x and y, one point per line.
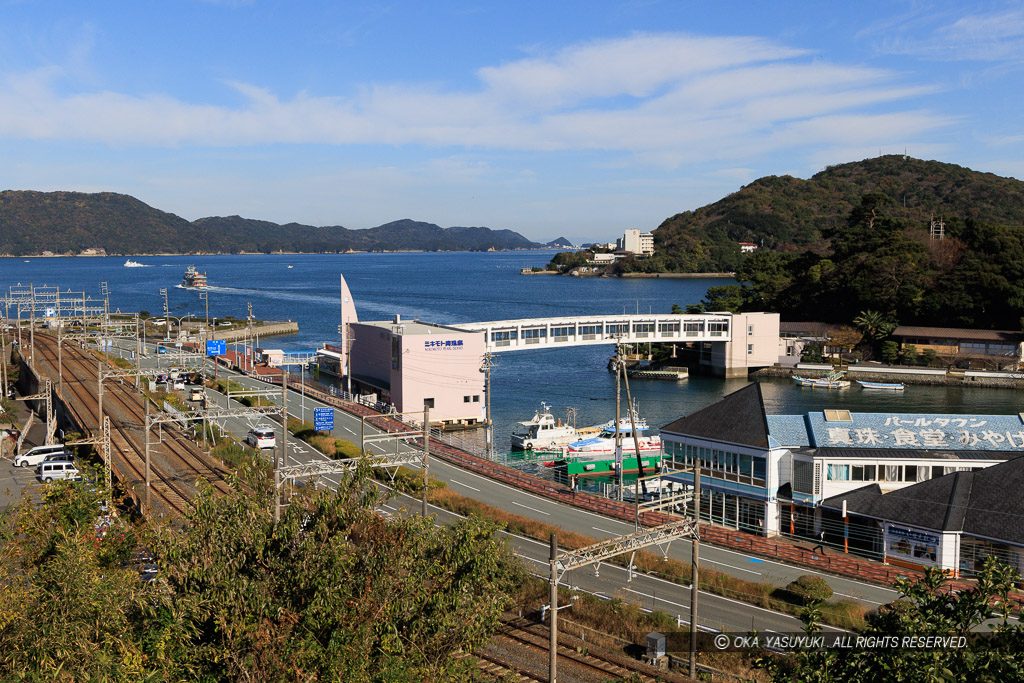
176	463
518	648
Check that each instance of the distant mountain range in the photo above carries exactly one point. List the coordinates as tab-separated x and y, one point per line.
74	222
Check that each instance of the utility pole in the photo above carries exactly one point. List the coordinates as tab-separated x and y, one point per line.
641	483
618	434
487	405
149	507
553	613
283	457
694	569
426	452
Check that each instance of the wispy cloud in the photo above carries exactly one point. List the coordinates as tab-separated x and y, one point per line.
990	37
668	99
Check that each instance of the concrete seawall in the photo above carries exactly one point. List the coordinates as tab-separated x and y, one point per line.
939	377
264	330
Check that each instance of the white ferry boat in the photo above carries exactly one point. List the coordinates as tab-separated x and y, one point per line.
543	432
133	264
602	446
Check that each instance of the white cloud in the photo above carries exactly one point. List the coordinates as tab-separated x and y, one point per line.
667	99
992	37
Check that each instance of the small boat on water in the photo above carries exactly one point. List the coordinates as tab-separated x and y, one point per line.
889	386
193	279
832	380
133	264
543	432
596	455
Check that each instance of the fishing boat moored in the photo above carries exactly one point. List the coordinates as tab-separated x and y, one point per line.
889	386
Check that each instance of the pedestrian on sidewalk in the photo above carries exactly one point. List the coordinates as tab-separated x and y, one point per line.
821	543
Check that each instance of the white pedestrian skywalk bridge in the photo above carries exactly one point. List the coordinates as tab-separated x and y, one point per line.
589	330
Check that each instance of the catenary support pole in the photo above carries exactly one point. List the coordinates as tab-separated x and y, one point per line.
426	454
553	614
695	569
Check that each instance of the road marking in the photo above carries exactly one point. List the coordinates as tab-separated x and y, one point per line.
857	597
348	430
667	602
473	488
530	508
749	571
604	531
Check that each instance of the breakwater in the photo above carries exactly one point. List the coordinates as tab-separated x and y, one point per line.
264	330
907	375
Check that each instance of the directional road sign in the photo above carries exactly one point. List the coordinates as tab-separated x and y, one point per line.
216	347
323	419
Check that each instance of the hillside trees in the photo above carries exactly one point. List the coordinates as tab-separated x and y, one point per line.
332	592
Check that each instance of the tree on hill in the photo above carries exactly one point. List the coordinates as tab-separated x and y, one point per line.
333	591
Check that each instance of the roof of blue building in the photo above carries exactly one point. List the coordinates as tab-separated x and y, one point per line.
984	503
740	418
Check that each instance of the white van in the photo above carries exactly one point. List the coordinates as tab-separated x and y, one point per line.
34	456
261	437
51	471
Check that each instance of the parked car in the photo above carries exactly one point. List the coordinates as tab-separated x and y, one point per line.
261	437
34	456
179	383
52	471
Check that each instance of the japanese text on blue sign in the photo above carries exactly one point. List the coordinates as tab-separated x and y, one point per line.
443	344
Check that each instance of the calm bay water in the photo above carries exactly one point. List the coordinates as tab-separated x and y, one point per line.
459	288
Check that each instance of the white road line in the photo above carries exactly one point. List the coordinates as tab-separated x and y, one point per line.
472	488
723	564
530	508
604	531
652	597
857	597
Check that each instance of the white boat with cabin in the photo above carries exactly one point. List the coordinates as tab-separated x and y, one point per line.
543	432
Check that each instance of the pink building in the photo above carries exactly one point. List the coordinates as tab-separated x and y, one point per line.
412	364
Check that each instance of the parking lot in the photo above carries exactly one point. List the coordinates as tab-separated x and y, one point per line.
16	480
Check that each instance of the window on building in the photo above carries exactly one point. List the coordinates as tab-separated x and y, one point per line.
759	469
668	327
476	398
893	473
465	399
428	403
717	328
535	333
862	473
838	473
750	349
617	329
591	329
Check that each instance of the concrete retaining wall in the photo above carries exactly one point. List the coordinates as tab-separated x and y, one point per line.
928	376
264	330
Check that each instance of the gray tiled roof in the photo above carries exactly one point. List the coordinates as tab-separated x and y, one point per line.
738	418
985	503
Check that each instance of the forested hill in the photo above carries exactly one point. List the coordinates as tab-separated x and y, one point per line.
784	213
70	222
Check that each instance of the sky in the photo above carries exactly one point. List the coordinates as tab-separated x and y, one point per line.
575	119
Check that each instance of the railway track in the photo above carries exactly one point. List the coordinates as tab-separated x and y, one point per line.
518	649
176	463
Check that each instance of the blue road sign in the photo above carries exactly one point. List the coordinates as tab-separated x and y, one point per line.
323	419
216	347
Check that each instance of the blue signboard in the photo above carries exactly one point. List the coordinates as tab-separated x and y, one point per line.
323	419
216	347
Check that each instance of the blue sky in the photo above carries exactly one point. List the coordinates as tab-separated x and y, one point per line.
549	118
